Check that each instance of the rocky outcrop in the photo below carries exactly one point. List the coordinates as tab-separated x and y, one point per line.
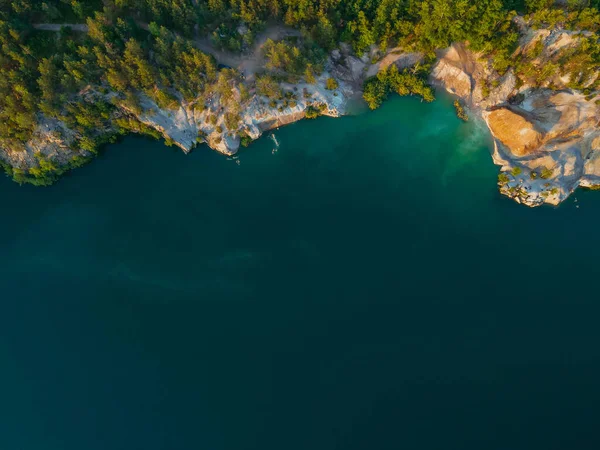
561	156
546	140
515	132
190	122
184	125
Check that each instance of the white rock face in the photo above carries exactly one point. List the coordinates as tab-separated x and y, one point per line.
547	142
183	125
190	123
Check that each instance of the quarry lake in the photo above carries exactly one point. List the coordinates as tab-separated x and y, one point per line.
352	283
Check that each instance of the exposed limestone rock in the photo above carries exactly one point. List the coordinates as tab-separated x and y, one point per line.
513	130
227	143
183	125
180	125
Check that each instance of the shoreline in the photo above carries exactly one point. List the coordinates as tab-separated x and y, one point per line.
553	159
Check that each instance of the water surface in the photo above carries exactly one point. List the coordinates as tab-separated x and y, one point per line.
362	286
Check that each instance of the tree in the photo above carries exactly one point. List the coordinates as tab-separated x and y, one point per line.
331	84
267	86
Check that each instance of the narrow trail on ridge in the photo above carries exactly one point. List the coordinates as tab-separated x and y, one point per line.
247	63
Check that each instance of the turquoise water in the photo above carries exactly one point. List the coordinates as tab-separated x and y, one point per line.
362	287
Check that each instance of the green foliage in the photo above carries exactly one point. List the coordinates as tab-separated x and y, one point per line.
267	86
537	5
390	80
245	140
445	21
283	56
17	84
292	59
309	74
331	84
232	120
133	125
546	173
460	111
46	172
312	112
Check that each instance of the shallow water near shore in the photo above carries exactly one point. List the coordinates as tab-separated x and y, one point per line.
362	286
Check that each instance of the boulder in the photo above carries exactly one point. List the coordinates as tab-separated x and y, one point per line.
518	134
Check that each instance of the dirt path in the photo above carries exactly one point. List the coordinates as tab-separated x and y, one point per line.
247	63
222	57
252	61
57	26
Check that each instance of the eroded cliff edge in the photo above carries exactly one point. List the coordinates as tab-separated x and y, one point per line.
546	136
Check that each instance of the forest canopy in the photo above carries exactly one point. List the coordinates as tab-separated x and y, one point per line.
147	46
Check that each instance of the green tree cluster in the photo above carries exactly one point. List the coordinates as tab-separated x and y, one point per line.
389	80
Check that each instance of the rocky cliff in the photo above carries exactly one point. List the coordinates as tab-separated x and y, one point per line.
546	136
190	123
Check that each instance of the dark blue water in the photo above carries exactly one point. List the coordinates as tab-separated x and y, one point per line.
362	287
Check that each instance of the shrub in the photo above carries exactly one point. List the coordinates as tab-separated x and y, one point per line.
377	89
312	112
232	120
245	140
309	75
485	89
331	84
460	111
268	87
546	173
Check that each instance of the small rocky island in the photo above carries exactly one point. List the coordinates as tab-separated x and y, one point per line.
222	75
